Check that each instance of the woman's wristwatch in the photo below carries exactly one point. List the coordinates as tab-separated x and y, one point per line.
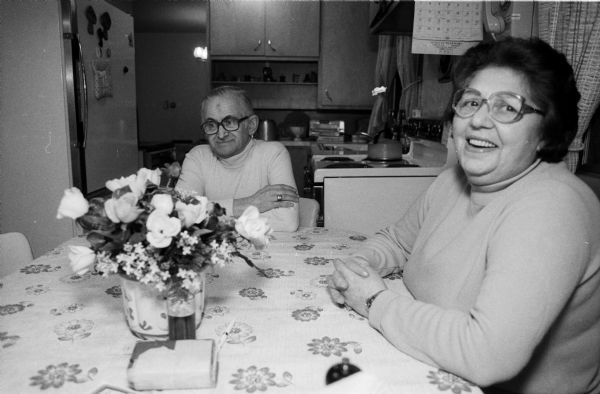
371	299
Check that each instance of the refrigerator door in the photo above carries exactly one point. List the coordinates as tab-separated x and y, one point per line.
111	147
101	93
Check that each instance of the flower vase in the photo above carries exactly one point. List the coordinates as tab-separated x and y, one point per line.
146	308
181	311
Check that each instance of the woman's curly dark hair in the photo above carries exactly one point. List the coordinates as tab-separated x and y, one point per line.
550	83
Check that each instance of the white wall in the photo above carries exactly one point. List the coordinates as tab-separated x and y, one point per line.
34	156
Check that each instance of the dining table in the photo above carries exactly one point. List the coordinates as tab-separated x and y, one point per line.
66	333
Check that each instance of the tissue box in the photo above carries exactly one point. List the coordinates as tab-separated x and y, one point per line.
164	365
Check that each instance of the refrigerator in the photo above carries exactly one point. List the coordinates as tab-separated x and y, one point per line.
99	75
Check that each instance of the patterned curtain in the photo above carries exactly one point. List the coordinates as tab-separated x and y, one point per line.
574	29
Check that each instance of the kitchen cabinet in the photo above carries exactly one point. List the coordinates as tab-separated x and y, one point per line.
272	29
348	56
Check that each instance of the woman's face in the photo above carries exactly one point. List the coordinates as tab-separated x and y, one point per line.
490	151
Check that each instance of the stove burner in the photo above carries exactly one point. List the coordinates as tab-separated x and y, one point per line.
388	163
348	164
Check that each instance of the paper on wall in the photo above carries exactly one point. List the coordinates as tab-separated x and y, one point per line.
446	27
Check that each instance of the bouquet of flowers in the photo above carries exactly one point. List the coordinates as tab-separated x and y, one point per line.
150	232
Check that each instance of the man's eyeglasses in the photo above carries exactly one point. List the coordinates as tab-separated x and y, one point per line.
504	107
229	123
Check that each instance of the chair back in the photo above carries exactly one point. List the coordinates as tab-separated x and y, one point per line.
15	252
308	211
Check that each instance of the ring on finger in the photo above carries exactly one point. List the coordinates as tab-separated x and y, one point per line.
279	197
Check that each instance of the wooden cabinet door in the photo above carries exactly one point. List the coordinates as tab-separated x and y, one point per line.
292	28
237	28
348	56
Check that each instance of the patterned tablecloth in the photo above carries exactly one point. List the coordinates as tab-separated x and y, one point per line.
60	332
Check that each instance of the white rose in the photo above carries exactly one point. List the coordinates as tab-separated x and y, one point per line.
161	229
162	202
116	184
123	209
152	176
192	213
72	205
81	258
253	227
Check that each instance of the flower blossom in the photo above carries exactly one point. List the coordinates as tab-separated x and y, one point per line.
72	205
192	213
253	227
161	229
116	184
81	258
142	178
123	209
162	202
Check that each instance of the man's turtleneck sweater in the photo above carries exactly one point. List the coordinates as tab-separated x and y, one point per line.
223	180
501	284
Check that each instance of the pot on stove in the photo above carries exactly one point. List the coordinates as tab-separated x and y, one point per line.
387	150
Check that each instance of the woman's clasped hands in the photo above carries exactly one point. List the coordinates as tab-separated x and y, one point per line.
352	282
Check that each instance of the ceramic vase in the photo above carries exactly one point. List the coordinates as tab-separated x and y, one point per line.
146	311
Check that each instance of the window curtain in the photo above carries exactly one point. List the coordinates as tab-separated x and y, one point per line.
574	29
410	69
385	68
394	55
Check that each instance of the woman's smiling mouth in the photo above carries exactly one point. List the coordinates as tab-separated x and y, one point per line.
477	143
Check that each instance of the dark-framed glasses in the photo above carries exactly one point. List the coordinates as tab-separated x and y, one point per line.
229	123
504	107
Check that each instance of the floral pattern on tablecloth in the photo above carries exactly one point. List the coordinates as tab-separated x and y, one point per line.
357	237
74	278
240	333
39	268
307	314
215	310
72	308
114	291
327	346
320	281
254	379
252	293
447	381
56	375
37	290
317	260
305	295
74	329
8	340
304	247
11	309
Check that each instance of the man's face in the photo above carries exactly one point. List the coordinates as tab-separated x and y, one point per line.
225	143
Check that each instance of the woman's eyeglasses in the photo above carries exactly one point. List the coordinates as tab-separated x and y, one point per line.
504	107
229	123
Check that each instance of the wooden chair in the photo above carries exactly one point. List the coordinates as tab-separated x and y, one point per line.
15	252
308	212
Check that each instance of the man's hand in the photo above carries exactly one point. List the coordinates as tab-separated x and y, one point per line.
267	198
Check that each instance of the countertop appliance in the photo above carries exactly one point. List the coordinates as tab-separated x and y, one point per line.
102	127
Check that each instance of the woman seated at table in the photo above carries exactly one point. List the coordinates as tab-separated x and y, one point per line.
501	256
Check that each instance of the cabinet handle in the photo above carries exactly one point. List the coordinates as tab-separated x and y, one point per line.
328	95
258	46
271	46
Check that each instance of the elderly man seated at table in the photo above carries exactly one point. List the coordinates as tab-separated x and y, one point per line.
234	169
